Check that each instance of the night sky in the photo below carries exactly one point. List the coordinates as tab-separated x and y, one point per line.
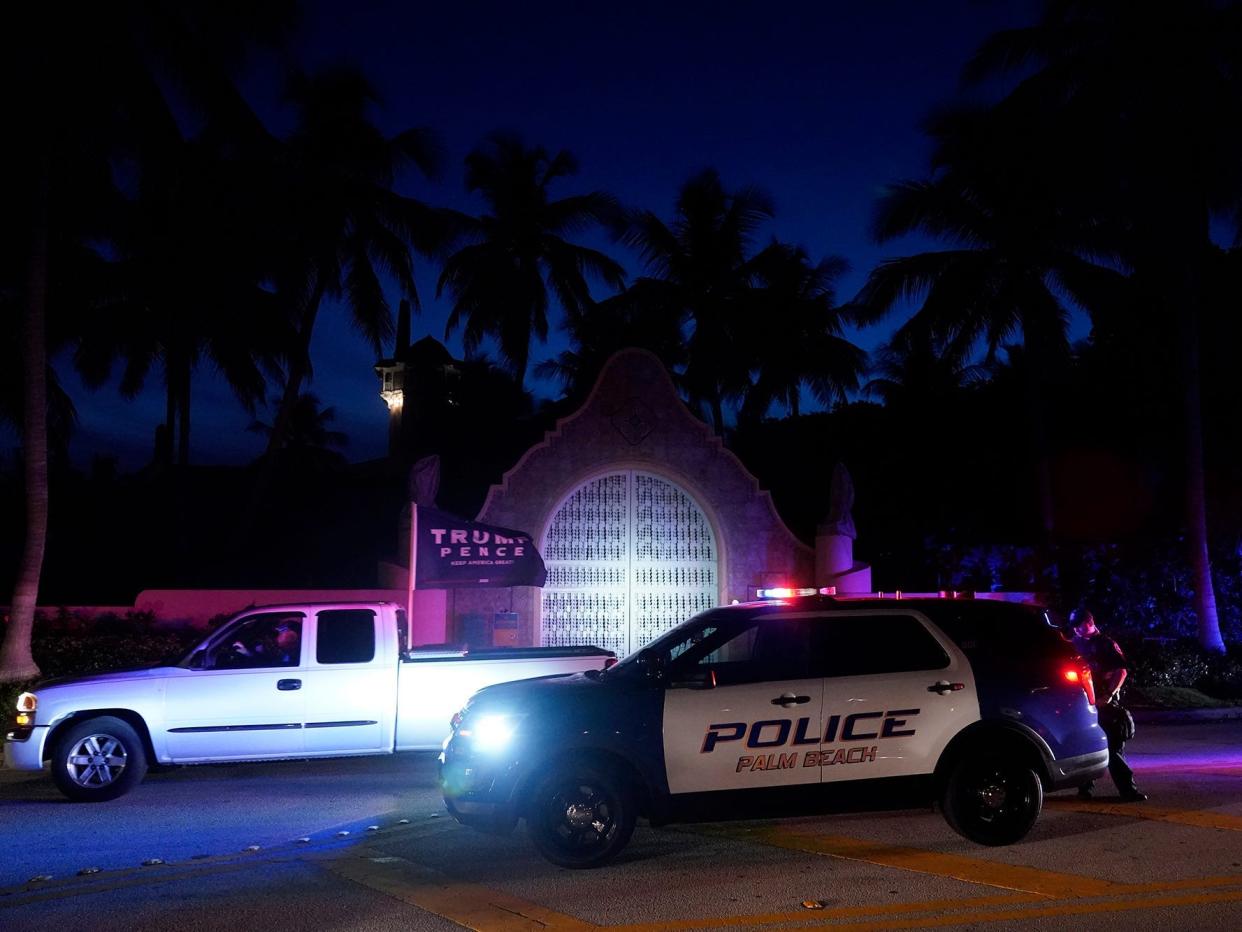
819	103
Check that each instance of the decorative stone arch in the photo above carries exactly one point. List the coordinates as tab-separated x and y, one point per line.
634	421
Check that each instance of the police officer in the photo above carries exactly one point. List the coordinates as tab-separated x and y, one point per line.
1108	670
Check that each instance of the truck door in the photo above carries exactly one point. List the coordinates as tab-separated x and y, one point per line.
895	694
350	682
244	701
741	705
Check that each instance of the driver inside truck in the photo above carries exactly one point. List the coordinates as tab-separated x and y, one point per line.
276	644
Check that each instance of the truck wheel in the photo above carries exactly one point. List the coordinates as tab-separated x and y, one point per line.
98	759
992	799
580	816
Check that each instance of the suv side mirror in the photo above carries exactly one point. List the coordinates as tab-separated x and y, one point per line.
652	662
695	679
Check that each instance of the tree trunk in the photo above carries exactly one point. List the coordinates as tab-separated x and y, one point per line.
1035	358
1186	230
521	365
16	661
1196	490
183	401
747	415
165	452
299	365
1038	434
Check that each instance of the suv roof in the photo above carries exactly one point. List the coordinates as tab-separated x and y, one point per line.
971	623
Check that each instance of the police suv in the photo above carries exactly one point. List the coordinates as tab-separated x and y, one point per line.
788	705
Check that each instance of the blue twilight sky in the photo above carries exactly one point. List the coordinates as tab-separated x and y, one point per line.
819	102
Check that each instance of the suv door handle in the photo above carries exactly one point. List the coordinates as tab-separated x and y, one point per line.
789	699
288	684
944	686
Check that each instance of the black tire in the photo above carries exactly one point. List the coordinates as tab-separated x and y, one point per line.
98	759
580	816
992	799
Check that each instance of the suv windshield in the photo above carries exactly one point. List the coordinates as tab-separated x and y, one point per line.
714	636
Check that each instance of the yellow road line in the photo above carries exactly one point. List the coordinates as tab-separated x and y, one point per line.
1199	818
469	905
958	867
1039	912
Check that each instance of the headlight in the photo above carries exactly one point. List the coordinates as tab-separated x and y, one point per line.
490	732
27	702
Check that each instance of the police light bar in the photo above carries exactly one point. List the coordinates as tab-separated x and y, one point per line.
784	592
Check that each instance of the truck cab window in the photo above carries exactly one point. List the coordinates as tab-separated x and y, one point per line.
272	639
346	636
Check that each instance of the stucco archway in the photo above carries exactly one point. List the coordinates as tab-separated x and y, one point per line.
634	420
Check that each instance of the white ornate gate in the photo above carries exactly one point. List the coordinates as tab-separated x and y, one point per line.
629	555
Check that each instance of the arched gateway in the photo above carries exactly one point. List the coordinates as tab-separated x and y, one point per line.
642	516
629	555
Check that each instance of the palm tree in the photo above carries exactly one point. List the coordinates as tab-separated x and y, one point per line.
913	372
622	321
520	250
87	92
345	223
793	334
700	270
188	284
1152	96
1017	255
311	442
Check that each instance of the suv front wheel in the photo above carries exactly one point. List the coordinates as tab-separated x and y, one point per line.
992	799
580	815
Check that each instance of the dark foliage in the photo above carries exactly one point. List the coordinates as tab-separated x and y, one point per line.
67	644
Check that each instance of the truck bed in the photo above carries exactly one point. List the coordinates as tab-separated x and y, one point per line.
434	683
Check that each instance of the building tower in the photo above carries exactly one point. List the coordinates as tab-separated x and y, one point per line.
391	374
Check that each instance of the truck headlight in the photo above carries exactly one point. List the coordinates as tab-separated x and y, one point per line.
491	732
27	702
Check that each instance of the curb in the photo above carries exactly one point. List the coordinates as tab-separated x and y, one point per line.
1185	716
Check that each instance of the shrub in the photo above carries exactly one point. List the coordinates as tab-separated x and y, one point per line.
71	654
1167	663
67	644
1224	678
70	645
1139	589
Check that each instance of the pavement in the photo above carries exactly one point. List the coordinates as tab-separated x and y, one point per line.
1185	716
1173	862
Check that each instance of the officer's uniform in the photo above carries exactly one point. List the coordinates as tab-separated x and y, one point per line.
1103	655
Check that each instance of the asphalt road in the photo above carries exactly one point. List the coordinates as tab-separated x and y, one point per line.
1175	861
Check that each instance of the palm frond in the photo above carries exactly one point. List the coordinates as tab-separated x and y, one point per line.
903	279
937	208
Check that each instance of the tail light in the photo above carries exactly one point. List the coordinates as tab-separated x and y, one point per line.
610	662
1081	676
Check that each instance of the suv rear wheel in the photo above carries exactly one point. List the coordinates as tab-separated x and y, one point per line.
992	799
580	815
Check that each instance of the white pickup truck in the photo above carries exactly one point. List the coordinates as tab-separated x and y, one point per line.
283	681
